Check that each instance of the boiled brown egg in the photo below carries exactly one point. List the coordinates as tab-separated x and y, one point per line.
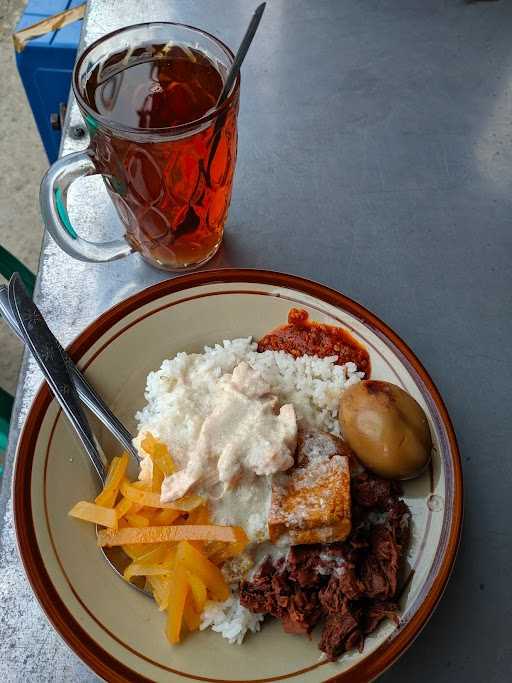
386	428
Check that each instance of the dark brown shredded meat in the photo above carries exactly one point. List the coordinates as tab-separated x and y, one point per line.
370	491
378	611
342	630
350	587
303	563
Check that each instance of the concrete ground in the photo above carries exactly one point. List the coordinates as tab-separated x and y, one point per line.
23	162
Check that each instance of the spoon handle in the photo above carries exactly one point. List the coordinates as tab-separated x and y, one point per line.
40	341
86	393
242	51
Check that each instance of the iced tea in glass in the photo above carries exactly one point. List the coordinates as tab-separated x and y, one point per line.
166	151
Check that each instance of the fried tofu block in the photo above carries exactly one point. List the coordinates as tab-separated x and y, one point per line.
311	503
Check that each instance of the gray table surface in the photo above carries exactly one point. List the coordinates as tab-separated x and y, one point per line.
375	156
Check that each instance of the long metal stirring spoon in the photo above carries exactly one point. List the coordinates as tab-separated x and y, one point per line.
241	53
25	319
233	75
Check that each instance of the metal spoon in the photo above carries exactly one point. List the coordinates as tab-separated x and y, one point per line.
242	51
232	76
84	390
25	319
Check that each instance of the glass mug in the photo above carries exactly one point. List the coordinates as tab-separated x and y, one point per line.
171	184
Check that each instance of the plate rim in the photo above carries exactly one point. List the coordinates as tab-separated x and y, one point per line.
83	645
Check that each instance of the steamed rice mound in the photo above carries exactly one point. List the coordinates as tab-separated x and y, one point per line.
179	398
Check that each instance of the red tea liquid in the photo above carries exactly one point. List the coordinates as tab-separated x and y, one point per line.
172	192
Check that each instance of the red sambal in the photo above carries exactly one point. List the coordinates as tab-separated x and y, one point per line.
302	336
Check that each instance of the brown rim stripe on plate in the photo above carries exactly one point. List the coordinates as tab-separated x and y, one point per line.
93	654
111	339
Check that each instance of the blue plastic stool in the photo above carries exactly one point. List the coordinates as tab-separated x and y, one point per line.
45	67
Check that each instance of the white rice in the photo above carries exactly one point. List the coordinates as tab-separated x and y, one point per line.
230	619
312	384
179	398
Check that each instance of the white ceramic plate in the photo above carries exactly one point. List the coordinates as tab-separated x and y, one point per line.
118	632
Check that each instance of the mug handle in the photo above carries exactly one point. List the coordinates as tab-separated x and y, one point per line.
53	201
